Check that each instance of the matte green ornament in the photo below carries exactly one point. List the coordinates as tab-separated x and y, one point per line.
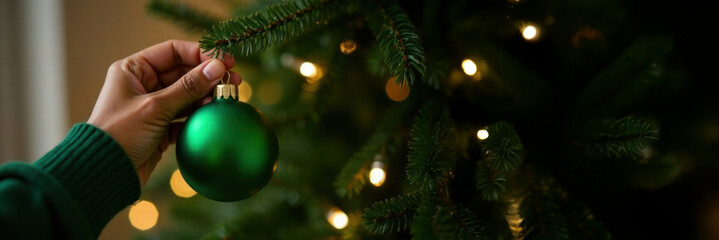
227	150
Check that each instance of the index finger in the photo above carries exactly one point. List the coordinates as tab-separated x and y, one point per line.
166	55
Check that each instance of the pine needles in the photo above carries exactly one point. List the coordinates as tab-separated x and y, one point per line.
432	137
394	32
394	214
549	213
618	138
503	149
255	32
398	42
443	202
431	159
502	153
456	222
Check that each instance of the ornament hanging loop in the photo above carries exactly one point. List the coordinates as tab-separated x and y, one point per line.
227	74
225	90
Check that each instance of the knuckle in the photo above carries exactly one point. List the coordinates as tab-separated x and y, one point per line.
129	65
191	84
116	65
151	104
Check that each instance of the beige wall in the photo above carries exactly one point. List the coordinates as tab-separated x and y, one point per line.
98	32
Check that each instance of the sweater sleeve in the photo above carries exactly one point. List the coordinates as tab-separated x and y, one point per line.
71	192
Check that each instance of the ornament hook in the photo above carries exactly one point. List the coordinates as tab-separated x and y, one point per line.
227	74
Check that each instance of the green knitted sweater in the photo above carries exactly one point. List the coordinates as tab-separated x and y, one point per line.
71	192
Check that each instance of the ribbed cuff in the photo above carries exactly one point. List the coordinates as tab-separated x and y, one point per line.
95	171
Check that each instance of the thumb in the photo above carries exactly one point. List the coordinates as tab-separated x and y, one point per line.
192	86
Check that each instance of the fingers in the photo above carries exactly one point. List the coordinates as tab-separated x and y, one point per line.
191	87
235	78
169	77
166	55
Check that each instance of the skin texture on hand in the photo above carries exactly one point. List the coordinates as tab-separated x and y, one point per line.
145	92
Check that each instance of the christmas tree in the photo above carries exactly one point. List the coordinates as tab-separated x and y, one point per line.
463	119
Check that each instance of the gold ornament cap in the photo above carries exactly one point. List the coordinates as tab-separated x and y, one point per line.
226	90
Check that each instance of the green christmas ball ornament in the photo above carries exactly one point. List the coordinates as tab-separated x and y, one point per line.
227	150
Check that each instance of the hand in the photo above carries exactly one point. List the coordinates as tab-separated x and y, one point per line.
144	92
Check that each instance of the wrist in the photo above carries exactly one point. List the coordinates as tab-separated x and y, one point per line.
95	171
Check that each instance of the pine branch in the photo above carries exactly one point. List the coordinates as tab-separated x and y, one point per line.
618	137
490	182
541	214
503	152
431	143
394	214
503	149
398	41
456	222
181	14
257	31
437	220
423	226
354	175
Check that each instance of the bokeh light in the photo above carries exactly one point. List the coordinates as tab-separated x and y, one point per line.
348	46
395	92
308	69
179	186
377	176
469	67
143	215
529	32
245	91
337	218
482	134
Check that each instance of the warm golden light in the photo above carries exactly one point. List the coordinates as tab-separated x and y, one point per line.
337	218
514	219
395	92
348	46
269	92
308	69
482	134
245	91
314	80
377	175
143	215
529	32
179	186
469	67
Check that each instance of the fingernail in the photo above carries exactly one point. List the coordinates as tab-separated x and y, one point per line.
213	70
